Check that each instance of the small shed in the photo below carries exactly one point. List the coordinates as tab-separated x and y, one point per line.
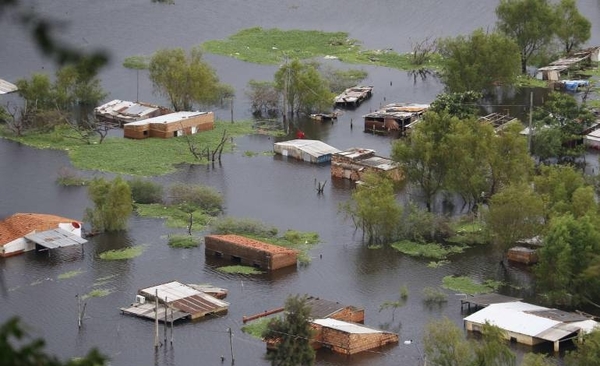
592	139
176	301
24	232
313	151
355	162
250	252
353	97
522	255
170	125
349	338
321	309
531	324
121	112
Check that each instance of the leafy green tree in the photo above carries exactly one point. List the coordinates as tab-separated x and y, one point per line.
394	305
374	209
479	62
515	213
264	98
423	156
340	80
510	161
556	184
16	349
184	79
303	88
587	352
537	359
493	350
145	191
77	87
136	63
113	204
569	249
291	335
573	29
445	344
462	105
37	92
530	23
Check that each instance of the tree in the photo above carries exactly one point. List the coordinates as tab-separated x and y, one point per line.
445	345
136	63
461	105
479	62
291	335
530	23
573	29
515	213
112	204
557	184
303	88
264	98
340	80
423	156
184	79
537	359
374	209
587	352
493	350
16	349
397	303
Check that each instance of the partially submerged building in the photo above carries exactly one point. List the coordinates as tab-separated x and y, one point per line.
6	87
313	151
394	117
322	308
497	120
523	255
170	125
355	162
173	301
24	232
531	324
553	71
250	252
353	97
120	112
349	338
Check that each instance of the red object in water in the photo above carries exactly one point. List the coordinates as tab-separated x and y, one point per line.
300	134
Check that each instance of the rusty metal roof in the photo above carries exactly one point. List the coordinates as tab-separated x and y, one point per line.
321	308
185	298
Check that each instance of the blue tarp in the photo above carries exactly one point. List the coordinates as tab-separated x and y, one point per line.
572	85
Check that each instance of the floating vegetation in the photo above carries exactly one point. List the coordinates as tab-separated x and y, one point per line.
174	214
468	286
240	270
256	328
183	241
437	264
426	250
122	254
96	293
70	274
432	295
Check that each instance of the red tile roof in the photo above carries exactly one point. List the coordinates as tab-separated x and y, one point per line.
256	244
20	224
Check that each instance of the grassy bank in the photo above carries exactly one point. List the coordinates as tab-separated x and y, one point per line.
271	46
148	157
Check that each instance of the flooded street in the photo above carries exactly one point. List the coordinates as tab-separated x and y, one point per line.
275	190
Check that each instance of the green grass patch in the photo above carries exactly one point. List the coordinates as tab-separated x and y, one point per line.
426	250
525	81
292	239
468	286
175	217
272	46
183	241
468	232
96	293
70	274
240	270
122	254
147	157
256	328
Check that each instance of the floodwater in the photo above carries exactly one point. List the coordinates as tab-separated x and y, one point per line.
277	191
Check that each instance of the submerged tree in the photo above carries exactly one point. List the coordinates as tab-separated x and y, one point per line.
112	204
573	29
184	79
291	335
479	62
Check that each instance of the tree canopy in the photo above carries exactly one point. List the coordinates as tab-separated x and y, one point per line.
572	28
185	79
113	204
479	62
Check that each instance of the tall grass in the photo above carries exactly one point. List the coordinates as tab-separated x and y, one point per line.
122	254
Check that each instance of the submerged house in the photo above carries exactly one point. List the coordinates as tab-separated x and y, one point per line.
173	301
531	324
353	97
24	232
250	252
6	87
394	117
355	162
497	120
170	125
313	151
120	112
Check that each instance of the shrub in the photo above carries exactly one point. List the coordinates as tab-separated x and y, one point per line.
68	177
206	198
183	241
231	225
145	191
433	295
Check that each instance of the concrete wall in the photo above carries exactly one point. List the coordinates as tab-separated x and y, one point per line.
16	246
351	343
247	255
187	126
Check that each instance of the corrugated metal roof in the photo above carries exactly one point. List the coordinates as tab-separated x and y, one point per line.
519	317
314	148
55	238
185	298
321	308
6	87
345	326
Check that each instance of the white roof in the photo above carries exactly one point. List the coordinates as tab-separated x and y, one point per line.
6	87
174	291
167	118
515	317
345	326
314	148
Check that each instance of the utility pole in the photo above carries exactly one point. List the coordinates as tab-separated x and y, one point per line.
231	346
166	322
530	122
156	341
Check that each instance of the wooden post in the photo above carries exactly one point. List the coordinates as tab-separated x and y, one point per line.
78	311
231	106
172	321
231	346
156	342
166	323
